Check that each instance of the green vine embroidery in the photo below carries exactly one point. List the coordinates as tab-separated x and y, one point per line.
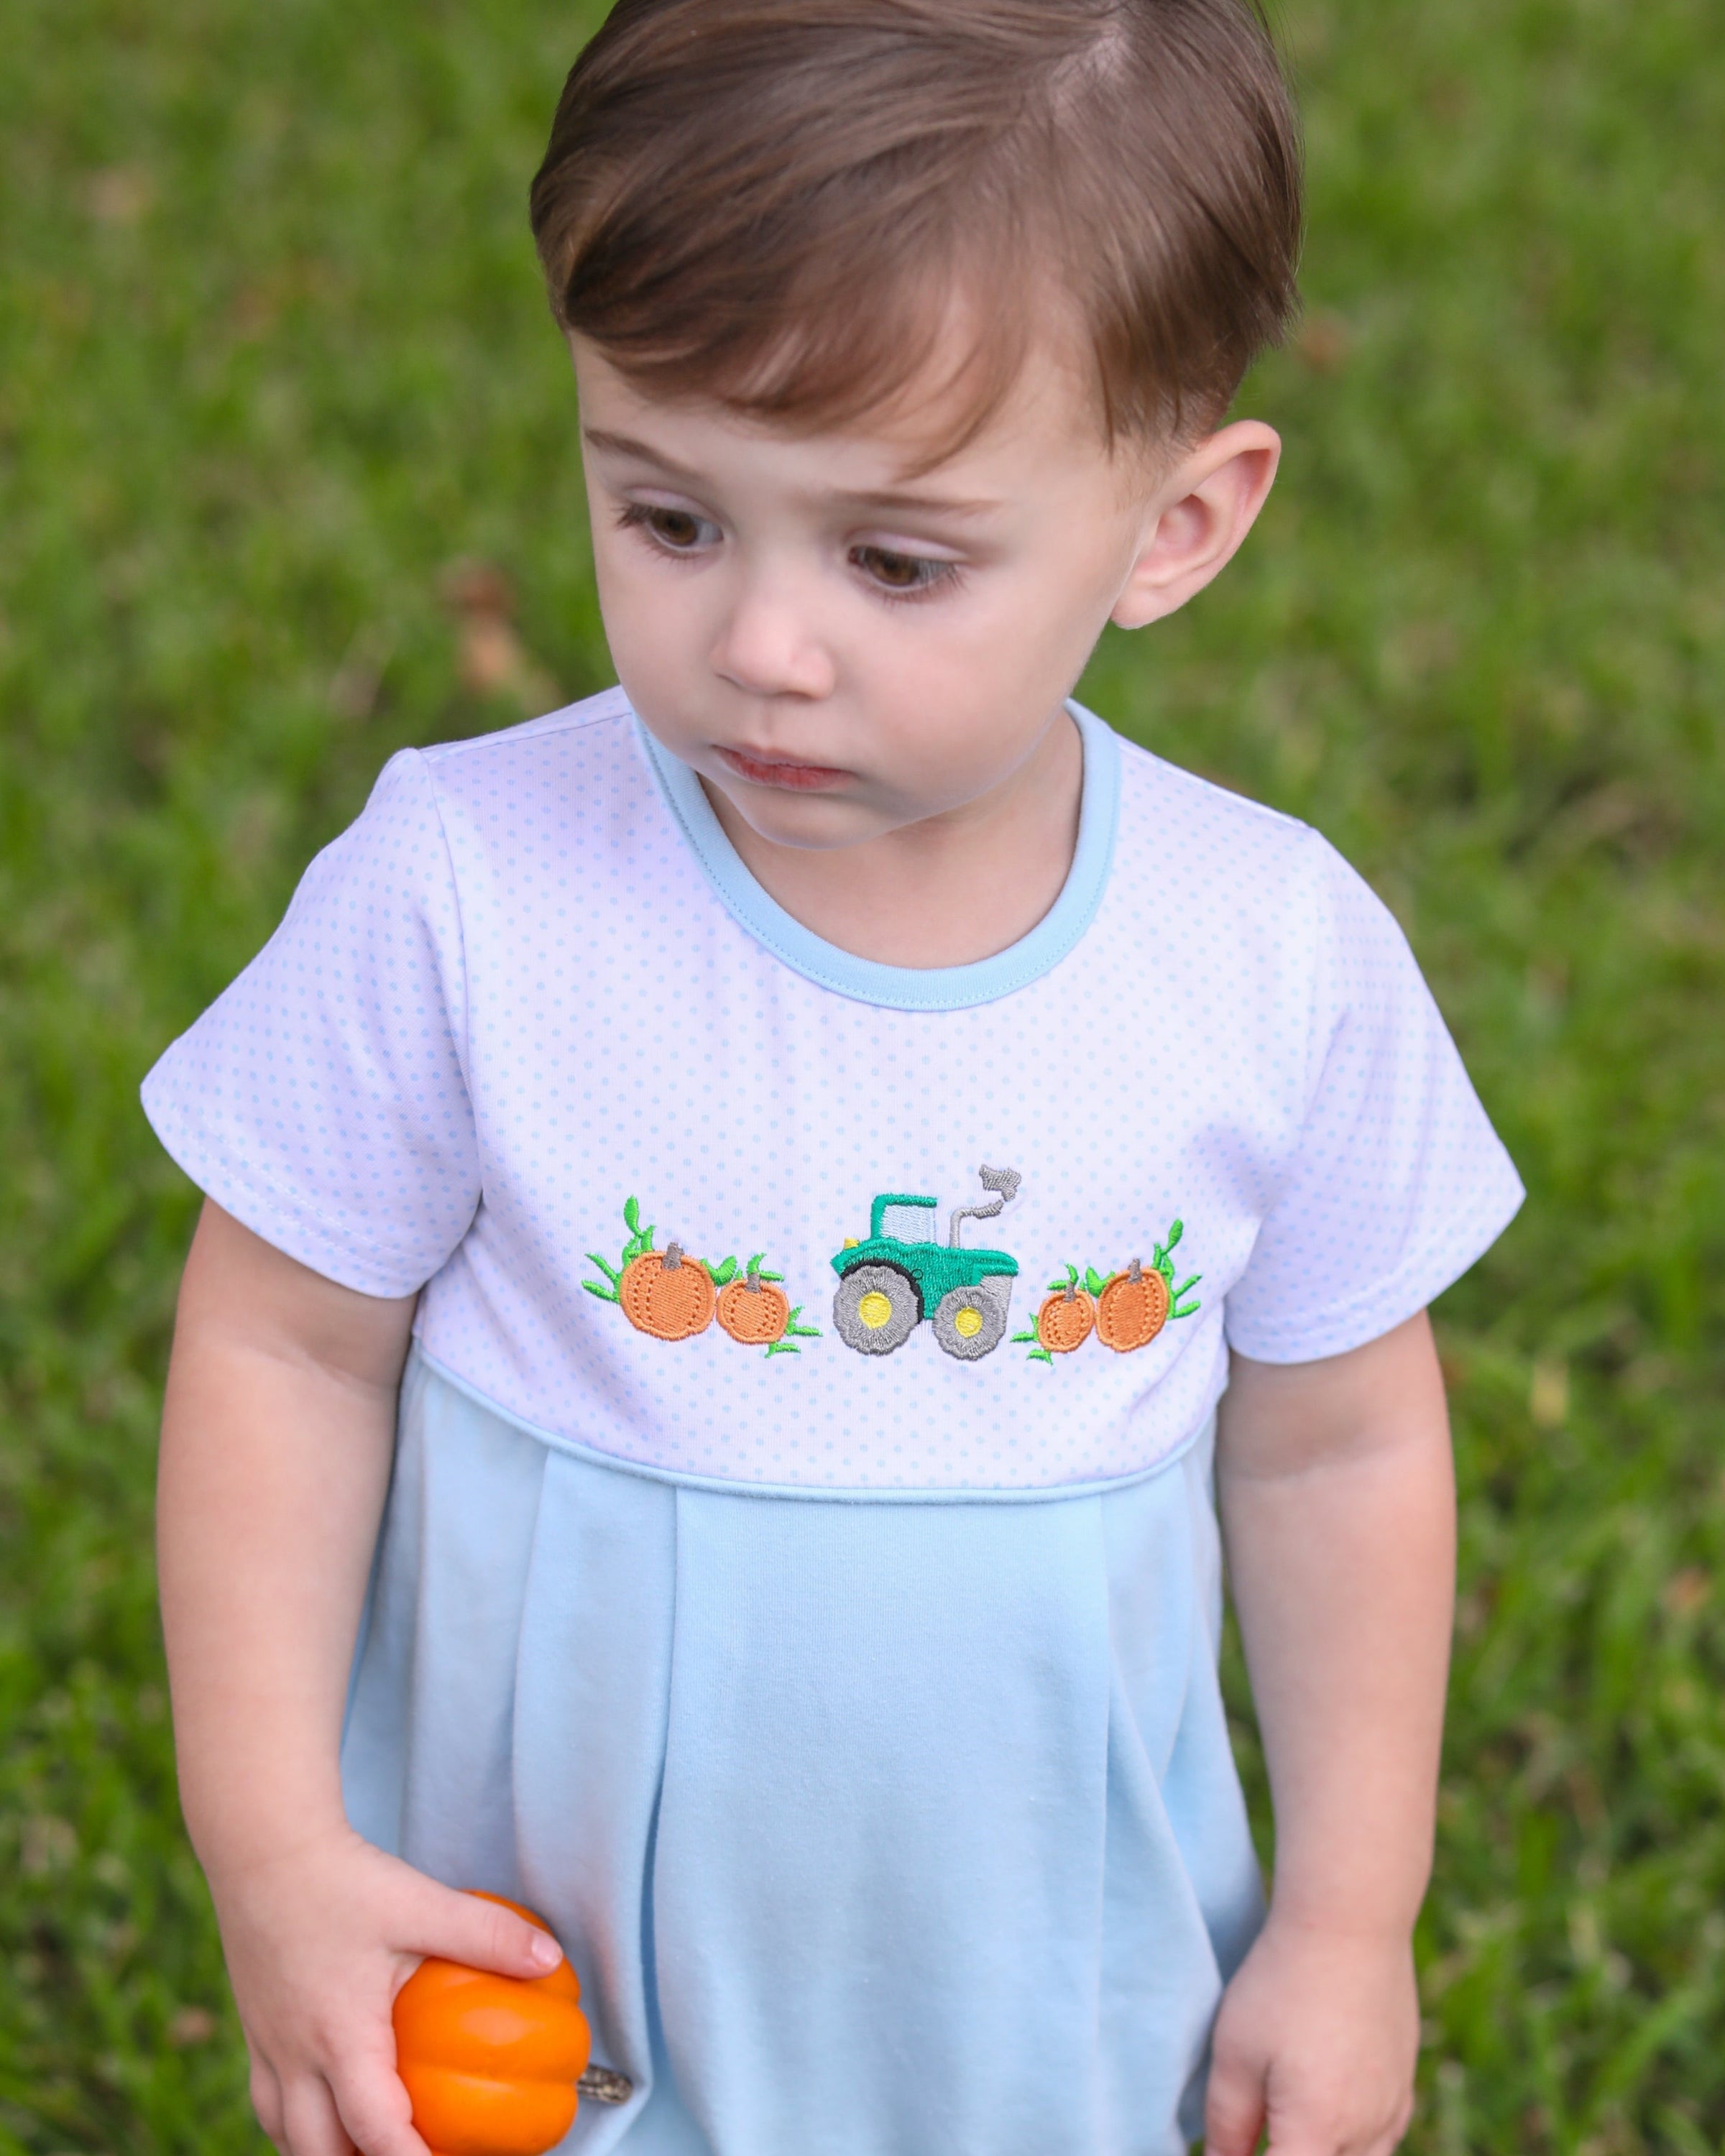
1164	1262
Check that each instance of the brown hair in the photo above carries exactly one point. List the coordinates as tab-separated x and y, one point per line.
775	203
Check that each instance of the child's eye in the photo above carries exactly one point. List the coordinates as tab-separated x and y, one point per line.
678	531
903	575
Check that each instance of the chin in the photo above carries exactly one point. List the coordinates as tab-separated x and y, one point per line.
813	822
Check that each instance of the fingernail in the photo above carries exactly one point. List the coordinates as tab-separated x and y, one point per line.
545	1950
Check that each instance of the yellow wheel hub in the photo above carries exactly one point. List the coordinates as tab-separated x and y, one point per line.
967	1323
874	1310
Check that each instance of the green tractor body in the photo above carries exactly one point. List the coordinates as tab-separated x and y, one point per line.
888	1284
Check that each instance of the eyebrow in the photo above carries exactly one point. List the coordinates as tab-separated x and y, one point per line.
626	445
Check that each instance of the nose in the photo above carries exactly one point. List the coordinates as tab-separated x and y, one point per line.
769	643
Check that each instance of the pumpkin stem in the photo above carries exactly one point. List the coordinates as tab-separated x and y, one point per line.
1134	1271
605	2085
672	1256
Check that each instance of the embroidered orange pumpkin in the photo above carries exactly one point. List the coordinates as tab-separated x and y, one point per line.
491	2062
752	1309
1066	1317
668	1294
1131	1309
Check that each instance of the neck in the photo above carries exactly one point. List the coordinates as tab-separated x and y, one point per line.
947	891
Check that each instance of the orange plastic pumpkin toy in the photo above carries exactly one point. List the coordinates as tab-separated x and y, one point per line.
490	2062
668	1294
1132	1309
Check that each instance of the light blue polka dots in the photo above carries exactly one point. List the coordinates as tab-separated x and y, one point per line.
511	996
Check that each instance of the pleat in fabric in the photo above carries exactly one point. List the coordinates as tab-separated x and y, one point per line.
880	1829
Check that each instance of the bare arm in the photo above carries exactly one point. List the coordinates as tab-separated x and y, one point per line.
1337	1501
277	1439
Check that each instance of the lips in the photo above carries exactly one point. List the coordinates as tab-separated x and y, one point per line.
776	771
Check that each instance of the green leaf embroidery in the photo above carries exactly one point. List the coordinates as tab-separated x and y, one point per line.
632	1215
1094	1280
785	1345
604	1294
1173	1307
722	1272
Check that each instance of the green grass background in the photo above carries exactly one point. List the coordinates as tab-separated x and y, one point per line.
272	356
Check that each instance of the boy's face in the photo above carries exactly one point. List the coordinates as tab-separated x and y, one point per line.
843	645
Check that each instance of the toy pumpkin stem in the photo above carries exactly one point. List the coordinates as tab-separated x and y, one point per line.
604	2084
1134	1271
672	1256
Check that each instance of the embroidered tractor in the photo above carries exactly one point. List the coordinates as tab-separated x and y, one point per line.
888	1284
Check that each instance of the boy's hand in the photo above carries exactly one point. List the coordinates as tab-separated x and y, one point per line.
320	1938
1315	2043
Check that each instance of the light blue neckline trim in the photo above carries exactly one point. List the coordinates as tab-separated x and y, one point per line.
726	1486
909	988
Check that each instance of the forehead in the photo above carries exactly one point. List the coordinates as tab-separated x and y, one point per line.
929	435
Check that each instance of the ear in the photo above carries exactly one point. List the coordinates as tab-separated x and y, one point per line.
1195	522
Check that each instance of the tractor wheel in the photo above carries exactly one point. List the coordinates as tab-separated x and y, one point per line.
876	1309
970	1322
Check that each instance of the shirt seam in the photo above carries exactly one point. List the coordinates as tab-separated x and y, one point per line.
571	718
816	1492
443	833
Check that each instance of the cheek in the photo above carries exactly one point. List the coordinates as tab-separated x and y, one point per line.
965	701
1002	658
651	624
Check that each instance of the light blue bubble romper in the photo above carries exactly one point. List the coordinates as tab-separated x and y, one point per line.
800	1579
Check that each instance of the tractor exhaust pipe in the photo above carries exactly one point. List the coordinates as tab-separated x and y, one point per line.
1004	1181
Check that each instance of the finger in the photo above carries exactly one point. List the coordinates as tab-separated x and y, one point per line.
375	2108
266	2100
309	2115
1386	2144
1233	2110
1338	2125
461	1928
1321	2131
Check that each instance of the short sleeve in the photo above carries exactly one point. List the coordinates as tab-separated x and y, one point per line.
1398	1182
321	1099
